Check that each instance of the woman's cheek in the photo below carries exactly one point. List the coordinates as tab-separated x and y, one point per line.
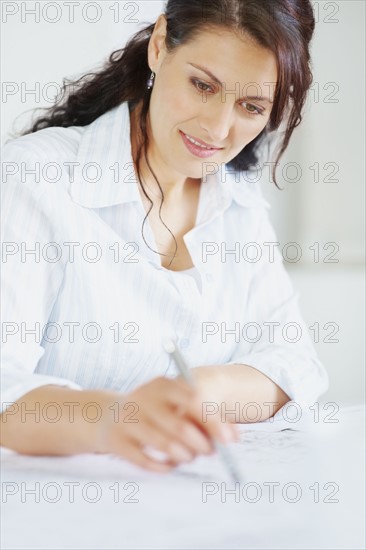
182	102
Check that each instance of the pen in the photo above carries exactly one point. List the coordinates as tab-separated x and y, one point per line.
227	458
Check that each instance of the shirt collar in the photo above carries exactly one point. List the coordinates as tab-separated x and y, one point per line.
239	187
104	170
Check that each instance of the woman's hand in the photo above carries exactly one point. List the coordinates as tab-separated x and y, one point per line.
165	414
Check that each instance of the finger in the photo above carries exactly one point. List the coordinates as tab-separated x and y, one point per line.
211	426
152	435
183	430
210	429
132	451
134	454
178	392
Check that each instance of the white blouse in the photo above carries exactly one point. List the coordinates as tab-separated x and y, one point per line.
86	304
193	272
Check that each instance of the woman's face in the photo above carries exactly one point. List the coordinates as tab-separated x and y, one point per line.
186	100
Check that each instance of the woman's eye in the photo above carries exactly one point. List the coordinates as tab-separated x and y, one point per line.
201	86
204	88
252	109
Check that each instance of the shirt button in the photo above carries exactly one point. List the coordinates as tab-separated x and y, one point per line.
209	277
184	343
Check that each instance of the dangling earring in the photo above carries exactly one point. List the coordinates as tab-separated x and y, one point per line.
150	82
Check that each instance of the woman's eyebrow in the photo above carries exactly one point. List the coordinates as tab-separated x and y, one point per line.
215	79
209	73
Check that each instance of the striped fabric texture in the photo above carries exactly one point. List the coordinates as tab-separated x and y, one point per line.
86	303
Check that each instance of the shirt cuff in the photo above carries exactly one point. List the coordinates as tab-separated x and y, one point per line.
303	382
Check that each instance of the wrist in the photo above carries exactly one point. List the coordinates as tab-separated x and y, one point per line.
212	381
104	410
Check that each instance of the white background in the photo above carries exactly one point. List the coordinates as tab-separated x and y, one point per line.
37	52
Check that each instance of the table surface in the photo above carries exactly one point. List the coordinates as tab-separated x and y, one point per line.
302	488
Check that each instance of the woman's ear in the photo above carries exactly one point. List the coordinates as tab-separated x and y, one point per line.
156	47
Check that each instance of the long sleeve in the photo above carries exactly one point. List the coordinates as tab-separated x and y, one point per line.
121	292
281	347
30	278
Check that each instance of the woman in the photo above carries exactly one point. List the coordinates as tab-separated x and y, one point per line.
186	107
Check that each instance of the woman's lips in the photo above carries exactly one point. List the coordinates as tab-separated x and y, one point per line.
196	149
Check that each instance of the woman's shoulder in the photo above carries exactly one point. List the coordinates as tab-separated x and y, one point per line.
40	164
49	144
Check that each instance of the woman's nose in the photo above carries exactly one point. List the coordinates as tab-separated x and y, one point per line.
216	124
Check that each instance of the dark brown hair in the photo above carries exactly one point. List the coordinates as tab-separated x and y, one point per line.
283	26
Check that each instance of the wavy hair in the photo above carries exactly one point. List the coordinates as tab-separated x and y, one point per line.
285	27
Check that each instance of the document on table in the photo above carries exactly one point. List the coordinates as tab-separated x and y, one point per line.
256	441
192	506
